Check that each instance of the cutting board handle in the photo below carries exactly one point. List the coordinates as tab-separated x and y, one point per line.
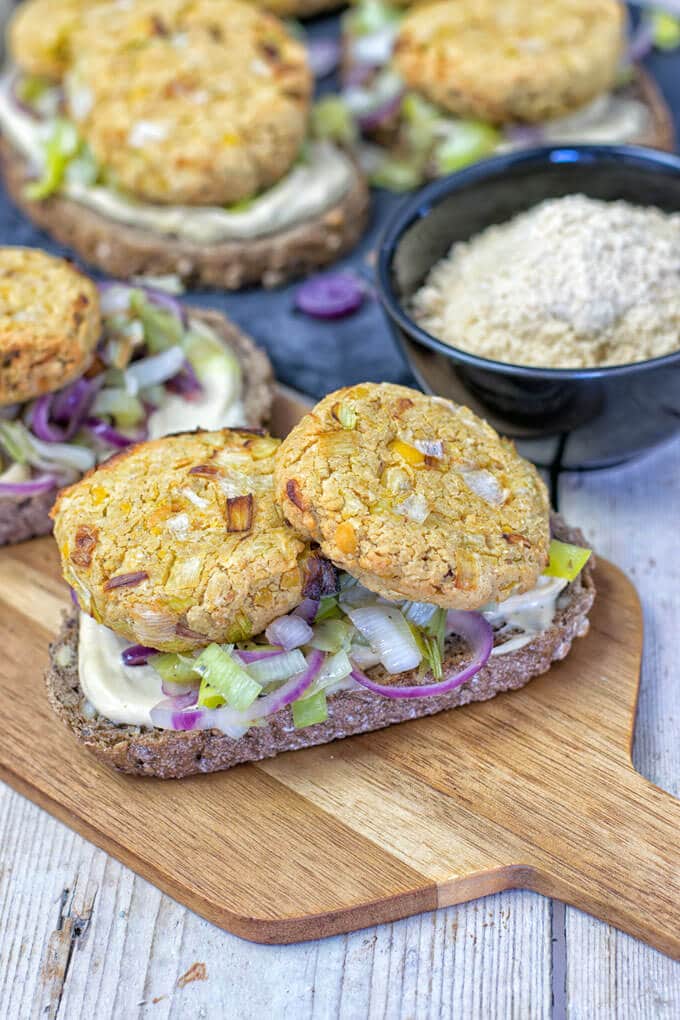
622	863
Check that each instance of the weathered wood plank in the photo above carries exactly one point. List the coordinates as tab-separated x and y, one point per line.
631	514
484	960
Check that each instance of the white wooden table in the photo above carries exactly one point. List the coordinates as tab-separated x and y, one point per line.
82	936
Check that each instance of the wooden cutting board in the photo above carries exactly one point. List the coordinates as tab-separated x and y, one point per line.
534	789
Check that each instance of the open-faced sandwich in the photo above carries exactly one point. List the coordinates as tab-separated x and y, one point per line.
439	85
239	597
87	370
172	137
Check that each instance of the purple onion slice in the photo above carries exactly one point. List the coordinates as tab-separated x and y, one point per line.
253	656
35	487
324	56
186	383
479	635
108	434
307	609
330	296
137	655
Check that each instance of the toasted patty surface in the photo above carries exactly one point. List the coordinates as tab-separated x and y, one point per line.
517	60
40	34
416	497
202	102
179	542
49	323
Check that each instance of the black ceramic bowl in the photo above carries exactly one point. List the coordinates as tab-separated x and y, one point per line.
581	418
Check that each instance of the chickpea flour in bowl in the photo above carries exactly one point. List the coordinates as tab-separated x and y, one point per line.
543	290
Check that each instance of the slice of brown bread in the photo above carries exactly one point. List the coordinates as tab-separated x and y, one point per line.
124	251
21	519
170	755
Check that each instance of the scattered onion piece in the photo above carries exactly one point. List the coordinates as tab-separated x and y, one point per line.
35	487
324	56
290	632
137	655
330	296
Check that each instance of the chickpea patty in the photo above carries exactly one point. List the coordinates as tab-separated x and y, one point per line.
179	542
49	323
416	497
517	60
40	34
200	103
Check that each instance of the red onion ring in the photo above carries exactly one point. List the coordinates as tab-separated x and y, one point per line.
108	434
35	487
68	406
267	653
307	609
477	632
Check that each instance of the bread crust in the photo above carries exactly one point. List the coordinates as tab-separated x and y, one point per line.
23	519
124	251
166	754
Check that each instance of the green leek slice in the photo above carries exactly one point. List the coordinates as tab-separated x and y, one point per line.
162	329
566	561
332	121
61	147
208	697
175	668
309	711
223	673
666	30
469	141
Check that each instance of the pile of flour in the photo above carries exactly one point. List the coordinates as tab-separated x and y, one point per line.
572	283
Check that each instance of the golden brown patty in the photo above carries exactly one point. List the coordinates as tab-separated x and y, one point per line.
415	496
512	60
200	102
40	34
49	323
179	542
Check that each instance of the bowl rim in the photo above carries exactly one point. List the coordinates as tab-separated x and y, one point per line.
420	204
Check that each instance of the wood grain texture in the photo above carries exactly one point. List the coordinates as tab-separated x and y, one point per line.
494	959
501	785
631	514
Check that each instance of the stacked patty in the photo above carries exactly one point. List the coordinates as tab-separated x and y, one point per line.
180	542
174	140
198	538
50	323
515	61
